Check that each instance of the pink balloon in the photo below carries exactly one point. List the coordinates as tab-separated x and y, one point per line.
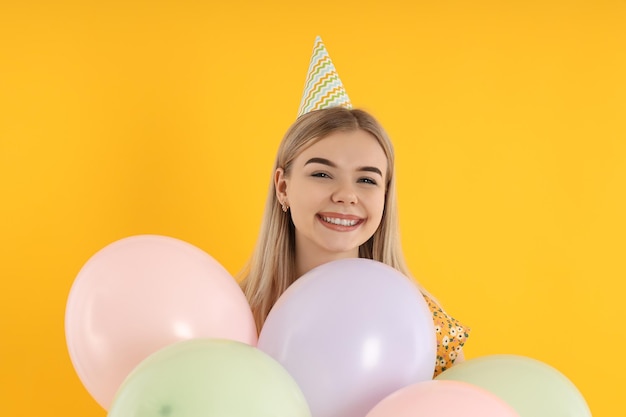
351	332
140	294
442	399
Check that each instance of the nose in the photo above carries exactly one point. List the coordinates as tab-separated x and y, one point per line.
345	193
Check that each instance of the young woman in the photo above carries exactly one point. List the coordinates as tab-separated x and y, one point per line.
333	196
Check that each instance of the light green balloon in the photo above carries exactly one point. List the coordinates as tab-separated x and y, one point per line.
531	387
209	378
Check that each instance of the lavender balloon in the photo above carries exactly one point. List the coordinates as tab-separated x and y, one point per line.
351	332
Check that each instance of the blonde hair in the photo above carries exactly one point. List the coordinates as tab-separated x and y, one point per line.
271	269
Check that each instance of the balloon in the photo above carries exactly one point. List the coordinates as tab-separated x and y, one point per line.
209	378
140	294
351	332
533	388
442	399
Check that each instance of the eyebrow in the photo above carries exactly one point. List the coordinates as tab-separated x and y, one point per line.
331	164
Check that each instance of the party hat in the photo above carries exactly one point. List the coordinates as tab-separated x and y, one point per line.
323	88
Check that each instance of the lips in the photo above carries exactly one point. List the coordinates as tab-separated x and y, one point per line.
340	222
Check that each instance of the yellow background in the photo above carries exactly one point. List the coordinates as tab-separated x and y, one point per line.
163	117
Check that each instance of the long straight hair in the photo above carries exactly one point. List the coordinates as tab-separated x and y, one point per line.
271	268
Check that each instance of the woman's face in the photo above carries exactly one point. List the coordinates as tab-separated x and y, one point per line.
335	190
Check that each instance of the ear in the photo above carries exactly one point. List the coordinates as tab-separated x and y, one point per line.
280	184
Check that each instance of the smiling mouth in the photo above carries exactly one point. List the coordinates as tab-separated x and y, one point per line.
340	222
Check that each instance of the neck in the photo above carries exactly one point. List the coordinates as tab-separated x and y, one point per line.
309	258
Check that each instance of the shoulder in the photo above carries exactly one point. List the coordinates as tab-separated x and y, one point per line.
451	336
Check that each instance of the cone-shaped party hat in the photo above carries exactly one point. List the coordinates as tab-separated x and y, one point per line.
323	88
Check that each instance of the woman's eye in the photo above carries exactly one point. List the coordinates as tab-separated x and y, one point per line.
320	175
368	181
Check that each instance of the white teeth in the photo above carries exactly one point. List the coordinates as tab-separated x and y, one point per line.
340	222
